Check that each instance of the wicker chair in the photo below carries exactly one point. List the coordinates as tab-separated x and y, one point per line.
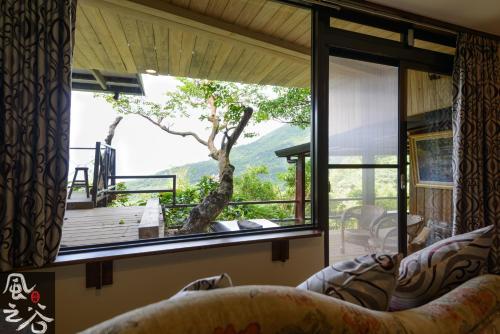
365	216
384	231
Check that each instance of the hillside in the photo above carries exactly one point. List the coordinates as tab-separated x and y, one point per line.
258	152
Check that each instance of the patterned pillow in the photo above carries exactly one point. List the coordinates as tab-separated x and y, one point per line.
207	283
368	280
439	268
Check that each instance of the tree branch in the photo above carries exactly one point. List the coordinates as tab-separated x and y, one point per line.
247	114
214	152
173	132
111	131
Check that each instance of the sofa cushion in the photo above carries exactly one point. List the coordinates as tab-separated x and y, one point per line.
368	280
439	268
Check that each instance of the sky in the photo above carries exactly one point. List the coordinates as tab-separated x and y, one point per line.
141	147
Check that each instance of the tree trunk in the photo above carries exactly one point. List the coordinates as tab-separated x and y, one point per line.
202	215
111	131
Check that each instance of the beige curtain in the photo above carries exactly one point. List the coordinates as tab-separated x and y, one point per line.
36	42
476	138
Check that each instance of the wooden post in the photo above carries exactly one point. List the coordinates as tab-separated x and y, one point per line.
368	181
95	181
300	189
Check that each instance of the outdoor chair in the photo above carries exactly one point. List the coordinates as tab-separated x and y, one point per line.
384	231
365	216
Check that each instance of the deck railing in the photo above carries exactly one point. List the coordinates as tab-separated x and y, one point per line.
104	176
298	220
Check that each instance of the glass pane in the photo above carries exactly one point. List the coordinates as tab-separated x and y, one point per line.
434	47
363	212
429	100
363	125
364	29
174	67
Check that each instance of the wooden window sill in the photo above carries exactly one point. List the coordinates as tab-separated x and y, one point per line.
166	247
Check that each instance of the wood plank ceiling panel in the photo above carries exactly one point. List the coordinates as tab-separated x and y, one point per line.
119	39
215	8
294	20
305	39
209	59
262	19
187	47
80	59
116	30
278	20
233	10
249	12
182	3
161	35
296	33
220	60
94	60
175	43
199	5
90	42
147	40
200	48
134	42
231	60
104	37
251	66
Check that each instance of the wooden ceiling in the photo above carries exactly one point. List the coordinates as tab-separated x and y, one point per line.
252	41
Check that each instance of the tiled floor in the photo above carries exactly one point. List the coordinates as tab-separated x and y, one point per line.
351	250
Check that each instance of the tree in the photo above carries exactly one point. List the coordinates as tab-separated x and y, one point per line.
227	109
111	131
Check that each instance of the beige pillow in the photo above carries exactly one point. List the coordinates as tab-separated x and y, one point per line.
207	283
440	267
368	280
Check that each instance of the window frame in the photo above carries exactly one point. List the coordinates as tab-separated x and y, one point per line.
342	43
323	38
83	253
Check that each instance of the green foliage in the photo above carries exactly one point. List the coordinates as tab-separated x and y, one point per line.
129	199
288	178
191	99
251	185
291	105
121	199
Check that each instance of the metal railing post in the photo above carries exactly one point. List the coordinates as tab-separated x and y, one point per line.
97	164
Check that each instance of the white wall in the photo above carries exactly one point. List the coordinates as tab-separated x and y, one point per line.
143	280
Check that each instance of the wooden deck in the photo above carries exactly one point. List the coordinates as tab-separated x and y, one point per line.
101	225
78	201
107	225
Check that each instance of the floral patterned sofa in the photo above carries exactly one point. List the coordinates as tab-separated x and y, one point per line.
473	307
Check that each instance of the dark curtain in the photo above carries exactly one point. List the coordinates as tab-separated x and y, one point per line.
476	138
36	42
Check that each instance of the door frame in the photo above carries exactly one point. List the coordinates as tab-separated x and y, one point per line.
326	39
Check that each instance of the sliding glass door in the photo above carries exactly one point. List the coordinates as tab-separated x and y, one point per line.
367	77
363	158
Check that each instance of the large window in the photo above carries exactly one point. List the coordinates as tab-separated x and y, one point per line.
177	124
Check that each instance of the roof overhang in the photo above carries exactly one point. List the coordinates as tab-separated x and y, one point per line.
107	82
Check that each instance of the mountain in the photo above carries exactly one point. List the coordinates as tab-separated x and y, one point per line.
257	153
